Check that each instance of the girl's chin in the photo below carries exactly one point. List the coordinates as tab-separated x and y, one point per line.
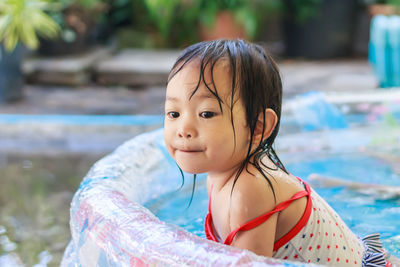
191	170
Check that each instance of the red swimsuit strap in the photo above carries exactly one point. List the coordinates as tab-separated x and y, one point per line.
208	223
261	219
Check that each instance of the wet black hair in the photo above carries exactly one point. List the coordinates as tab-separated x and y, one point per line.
255	79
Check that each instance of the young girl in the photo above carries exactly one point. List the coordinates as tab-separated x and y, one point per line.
222	114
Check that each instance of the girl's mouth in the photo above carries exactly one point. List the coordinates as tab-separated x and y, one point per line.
189	150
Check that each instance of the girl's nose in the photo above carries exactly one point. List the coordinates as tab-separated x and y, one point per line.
185	134
187	131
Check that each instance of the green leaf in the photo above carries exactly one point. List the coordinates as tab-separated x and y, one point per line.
28	36
249	21
4	21
46	27
11	39
23	20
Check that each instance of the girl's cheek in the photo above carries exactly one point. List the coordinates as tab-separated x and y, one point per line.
167	139
170	151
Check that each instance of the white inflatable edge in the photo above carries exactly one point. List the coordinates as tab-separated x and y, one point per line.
110	227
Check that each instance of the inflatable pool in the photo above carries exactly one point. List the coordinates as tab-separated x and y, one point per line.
111	227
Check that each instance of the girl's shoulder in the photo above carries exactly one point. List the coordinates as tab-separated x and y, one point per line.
251	197
254	196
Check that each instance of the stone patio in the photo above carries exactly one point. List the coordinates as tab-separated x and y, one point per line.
132	82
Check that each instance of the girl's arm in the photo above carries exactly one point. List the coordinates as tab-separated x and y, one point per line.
251	200
260	239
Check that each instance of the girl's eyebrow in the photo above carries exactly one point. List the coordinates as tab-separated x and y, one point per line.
198	96
204	95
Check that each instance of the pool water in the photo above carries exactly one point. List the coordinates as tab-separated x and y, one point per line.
364	214
173	207
35	196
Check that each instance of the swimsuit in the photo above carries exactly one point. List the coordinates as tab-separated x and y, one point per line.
319	237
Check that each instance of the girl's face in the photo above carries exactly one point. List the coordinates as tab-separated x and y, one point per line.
198	135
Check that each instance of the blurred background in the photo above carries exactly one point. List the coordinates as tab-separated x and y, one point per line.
74	72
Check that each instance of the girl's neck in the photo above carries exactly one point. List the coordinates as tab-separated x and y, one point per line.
219	179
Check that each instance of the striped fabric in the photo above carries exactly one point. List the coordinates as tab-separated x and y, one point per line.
374	255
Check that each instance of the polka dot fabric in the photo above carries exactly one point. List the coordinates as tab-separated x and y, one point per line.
319	237
325	239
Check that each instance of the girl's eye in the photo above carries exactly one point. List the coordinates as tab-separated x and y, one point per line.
207	114
173	114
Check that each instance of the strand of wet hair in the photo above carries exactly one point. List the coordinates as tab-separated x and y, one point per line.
193	188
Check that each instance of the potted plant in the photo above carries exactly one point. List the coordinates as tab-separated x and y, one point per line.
170	23
227	19
21	23
177	23
234	18
78	20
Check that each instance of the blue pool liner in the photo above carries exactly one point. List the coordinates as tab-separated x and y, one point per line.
83	119
312	112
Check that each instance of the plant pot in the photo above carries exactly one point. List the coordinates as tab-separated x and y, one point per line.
11	76
329	34
382	9
225	27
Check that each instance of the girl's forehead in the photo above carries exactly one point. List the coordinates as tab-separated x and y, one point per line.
217	78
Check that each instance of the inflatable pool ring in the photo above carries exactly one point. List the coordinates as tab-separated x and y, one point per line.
110	227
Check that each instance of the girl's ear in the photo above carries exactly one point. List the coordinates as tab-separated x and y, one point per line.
266	122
